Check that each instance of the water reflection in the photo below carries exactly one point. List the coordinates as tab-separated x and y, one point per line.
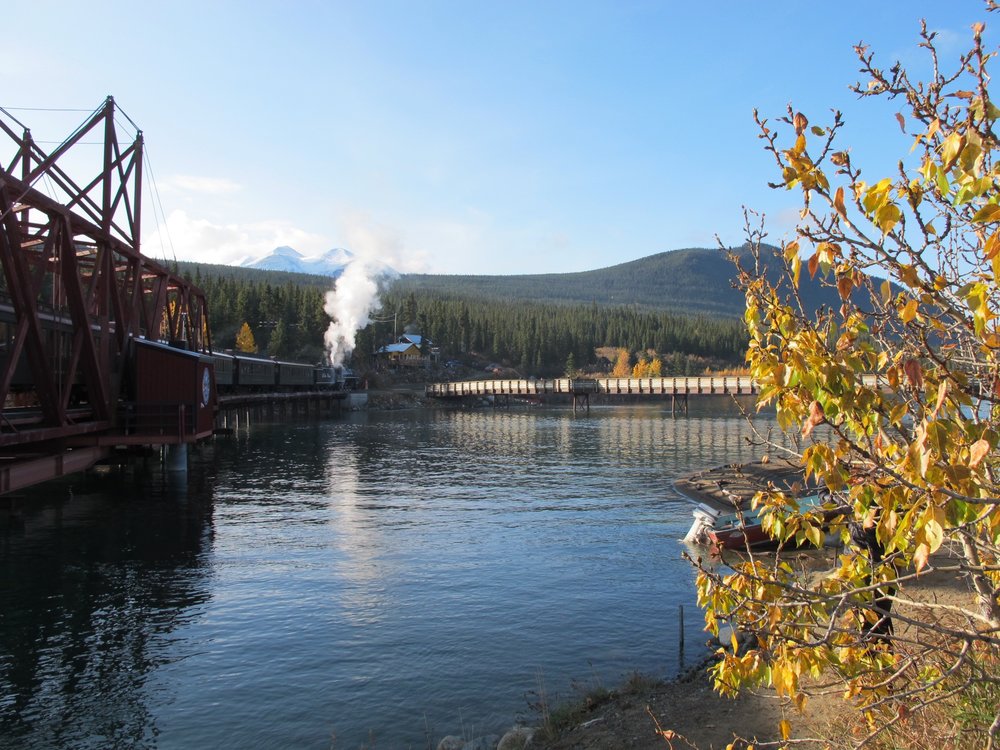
383	573
93	582
359	560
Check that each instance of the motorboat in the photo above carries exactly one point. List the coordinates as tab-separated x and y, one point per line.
738	529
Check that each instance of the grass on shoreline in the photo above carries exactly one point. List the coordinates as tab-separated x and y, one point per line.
560	717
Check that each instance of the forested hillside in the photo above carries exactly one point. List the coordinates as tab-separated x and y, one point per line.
538	338
678	308
283	311
695	281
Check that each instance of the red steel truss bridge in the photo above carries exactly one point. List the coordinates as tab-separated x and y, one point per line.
101	348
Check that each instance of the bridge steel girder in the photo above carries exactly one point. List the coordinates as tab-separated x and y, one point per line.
75	289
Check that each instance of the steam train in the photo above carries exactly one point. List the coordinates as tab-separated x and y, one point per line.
240	372
164	368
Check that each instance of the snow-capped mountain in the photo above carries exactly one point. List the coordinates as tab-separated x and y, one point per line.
331	263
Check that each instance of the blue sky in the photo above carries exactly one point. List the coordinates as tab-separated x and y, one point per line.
463	137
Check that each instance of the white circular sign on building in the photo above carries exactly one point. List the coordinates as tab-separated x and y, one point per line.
206	387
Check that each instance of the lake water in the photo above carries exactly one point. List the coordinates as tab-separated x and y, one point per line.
380	579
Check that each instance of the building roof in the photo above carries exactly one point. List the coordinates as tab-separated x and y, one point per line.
396	348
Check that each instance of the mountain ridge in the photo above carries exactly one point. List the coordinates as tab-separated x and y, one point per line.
332	263
696	281
693	281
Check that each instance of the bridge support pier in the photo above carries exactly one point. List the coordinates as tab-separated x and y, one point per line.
581	400
175	457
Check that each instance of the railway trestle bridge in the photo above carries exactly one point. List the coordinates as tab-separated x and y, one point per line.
677	389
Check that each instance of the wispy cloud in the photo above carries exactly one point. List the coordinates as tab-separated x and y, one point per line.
201	184
375	240
188	238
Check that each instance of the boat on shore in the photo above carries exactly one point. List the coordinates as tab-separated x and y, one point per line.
740	529
722	514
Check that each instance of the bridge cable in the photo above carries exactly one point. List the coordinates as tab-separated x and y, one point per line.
158	204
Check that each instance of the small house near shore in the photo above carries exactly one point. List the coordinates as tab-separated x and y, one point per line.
406	354
410	350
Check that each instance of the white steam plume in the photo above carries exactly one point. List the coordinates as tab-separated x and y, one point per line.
349	305
379	256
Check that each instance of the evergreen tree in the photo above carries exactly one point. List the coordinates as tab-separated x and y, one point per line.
408	315
570	366
279	344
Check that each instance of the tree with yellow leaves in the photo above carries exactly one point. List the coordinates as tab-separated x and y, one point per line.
622	368
908	456
245	341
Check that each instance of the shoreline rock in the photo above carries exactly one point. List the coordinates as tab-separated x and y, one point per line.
516	738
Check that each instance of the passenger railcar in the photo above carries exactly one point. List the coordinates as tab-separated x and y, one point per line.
225	369
293	375
252	372
235	372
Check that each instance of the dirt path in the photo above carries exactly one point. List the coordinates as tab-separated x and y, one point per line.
698	716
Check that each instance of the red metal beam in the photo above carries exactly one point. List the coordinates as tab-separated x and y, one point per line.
78	286
31	471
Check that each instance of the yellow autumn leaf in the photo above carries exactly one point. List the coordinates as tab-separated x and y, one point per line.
920	556
844	285
989	212
950	150
909	311
838	202
992	246
941	395
791	250
887	217
933	534
977	452
785	728
815	535
815	417
914	373
813	265
908	275
782	678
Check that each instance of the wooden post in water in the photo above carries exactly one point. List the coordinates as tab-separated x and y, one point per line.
680	642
